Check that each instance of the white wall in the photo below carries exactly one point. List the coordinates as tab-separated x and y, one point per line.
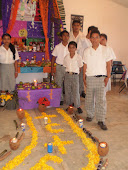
108	16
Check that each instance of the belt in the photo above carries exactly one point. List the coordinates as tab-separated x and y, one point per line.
100	76
60	64
71	73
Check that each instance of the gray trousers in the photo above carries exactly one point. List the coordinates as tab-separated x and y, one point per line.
81	83
59	78
7	77
95	101
72	94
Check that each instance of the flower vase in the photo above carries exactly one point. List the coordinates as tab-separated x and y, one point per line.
41	108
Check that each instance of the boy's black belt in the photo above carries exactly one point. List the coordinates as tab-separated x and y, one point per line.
71	73
100	76
60	64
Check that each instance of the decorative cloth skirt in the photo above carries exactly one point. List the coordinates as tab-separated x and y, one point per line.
7	77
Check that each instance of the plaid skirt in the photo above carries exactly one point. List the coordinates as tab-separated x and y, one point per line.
7	77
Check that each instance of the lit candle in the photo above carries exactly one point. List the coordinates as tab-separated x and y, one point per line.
20	109
103	145
14	140
23	126
35	83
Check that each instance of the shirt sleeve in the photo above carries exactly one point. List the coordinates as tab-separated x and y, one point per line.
109	56
16	55
54	53
113	54
80	61
85	56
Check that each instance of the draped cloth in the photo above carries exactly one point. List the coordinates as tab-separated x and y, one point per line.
6	11
13	15
44	17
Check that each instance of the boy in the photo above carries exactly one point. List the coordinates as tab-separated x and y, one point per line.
73	62
60	51
103	41
77	36
97	71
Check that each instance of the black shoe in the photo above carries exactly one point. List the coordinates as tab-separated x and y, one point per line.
79	110
83	94
102	126
88	119
61	103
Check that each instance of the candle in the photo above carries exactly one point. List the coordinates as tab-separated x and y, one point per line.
14	140
103	145
35	83
20	109
23	126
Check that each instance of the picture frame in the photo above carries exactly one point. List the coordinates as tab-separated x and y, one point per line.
77	17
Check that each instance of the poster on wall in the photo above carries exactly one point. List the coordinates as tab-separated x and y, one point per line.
77	17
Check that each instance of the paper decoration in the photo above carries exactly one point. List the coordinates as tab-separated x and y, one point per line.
36	32
23	32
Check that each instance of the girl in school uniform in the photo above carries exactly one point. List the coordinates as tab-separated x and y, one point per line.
8	64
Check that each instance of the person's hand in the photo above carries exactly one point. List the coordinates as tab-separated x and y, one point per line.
106	81
16	74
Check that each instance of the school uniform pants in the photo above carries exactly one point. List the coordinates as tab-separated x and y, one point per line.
95	101
59	78
7	77
81	83
72	94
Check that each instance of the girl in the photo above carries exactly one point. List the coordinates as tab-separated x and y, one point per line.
8	64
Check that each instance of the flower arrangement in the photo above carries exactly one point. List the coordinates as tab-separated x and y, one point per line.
44	101
6	97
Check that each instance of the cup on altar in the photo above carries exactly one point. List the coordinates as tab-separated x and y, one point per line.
70	110
14	143
35	83
103	149
20	113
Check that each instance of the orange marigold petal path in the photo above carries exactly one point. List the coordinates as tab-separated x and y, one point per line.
93	155
41	165
27	150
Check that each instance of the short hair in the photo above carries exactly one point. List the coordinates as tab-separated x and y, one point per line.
75	21
72	43
91	28
104	35
6	34
95	32
61	33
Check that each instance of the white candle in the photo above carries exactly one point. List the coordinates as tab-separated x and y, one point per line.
14	140
102	145
35	83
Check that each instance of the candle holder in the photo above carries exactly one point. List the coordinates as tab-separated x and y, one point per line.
70	110
15	143
20	113
103	149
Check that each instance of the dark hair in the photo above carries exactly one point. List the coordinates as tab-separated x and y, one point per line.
91	28
104	35
75	21
12	48
95	32
72	43
61	33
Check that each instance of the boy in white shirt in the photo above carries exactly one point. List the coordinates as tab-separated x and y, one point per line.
73	62
97	71
59	53
81	40
103	41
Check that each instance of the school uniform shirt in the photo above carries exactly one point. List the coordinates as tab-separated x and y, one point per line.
6	56
89	42
76	39
96	60
73	64
82	45
60	51
112	53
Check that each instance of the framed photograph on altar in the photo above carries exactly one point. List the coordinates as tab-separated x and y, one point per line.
77	17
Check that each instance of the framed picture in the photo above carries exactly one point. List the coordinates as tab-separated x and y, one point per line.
77	17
